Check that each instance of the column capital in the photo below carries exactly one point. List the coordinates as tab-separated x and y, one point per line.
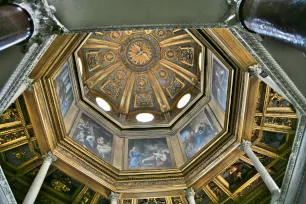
189	192
49	157
244	144
255	69
114	196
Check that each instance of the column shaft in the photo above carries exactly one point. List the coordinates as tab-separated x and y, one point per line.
264	174
37	183
191	200
189	193
39	179
282	19
16	25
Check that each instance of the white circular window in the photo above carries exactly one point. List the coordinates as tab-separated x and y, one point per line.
183	101
144	117
103	104
200	61
81	66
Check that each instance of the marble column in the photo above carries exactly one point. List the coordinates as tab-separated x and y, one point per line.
189	193
283	20
264	174
257	70
114	198
16	25
39	179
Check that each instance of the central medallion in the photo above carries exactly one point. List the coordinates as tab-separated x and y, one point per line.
140	52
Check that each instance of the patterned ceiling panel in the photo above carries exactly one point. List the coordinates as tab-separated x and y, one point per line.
141	71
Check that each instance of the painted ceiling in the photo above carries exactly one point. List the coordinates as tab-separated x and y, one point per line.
141	72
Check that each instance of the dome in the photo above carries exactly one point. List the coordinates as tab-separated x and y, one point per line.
141	71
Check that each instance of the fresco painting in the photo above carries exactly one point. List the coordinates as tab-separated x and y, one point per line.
63	88
149	154
220	75
94	137
198	133
273	139
237	174
201	198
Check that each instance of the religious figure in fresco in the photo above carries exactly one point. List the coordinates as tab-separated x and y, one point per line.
135	157
149	153
63	88
103	148
93	137
220	83
197	134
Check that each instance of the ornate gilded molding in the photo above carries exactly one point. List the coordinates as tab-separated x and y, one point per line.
148	27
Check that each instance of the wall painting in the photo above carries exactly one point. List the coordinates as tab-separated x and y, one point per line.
220	75
63	87
197	133
149	154
93	137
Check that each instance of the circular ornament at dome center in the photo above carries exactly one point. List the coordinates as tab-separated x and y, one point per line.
140	53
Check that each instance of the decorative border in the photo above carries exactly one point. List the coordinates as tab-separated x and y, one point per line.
20	75
293	162
6	190
148	27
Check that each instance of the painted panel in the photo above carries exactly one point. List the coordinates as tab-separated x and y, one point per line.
237	174
201	198
93	137
152	201
198	133
63	87
149	154
220	75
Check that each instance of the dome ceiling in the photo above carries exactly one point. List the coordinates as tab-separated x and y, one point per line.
136	72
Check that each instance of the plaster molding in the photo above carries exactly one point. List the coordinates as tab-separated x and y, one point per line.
6	192
22	71
232	16
293	162
45	23
255	69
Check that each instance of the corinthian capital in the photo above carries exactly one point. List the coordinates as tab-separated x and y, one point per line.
114	196
49	157
245	144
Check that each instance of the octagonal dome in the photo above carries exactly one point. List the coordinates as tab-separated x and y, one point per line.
140	76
